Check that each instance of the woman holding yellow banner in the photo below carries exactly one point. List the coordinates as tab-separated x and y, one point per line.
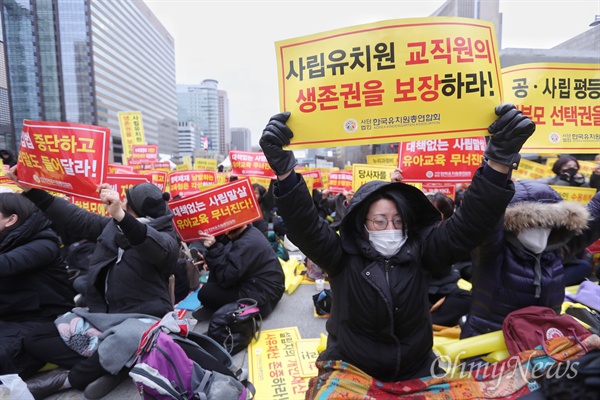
389	244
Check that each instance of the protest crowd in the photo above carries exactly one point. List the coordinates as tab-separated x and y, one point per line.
483	284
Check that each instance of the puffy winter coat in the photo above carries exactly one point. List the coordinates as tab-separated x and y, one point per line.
122	278
507	276
34	285
249	263
380	320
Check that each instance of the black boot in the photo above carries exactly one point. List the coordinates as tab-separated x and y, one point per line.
105	384
48	383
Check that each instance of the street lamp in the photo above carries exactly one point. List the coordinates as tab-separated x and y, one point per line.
596	21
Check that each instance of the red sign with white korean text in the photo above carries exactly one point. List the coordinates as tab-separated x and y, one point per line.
594	248
442	160
447	189
63	157
119	183
120	169
215	211
159	178
340	181
186	183
144	152
246	163
316	175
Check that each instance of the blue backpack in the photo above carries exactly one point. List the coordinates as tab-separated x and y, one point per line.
166	372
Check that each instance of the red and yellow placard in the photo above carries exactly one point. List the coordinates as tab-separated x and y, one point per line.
215	211
247	163
442	160
132	131
185	183
581	195
340	181
447	189
404	79
120	169
159	178
564	102
63	157
205	164
143	153
315	174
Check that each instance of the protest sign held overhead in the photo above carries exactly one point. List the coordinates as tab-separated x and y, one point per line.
132	131
215	211
246	163
64	157
564	102
390	81
185	183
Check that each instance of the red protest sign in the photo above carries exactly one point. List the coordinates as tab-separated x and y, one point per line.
63	157
144	153
441	160
215	211
447	189
186	183
120	169
246	163
340	181
159	178
316	175
118	182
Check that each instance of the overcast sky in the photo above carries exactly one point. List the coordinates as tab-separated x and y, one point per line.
234	41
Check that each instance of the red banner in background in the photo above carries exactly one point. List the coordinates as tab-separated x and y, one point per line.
316	175
246	163
119	183
340	181
186	183
441	160
159	178
215	211
448	189
120	169
63	157
144	152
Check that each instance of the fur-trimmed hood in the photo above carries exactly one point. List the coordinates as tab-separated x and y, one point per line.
536	204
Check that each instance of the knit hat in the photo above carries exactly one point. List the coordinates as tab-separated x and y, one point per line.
146	199
562	160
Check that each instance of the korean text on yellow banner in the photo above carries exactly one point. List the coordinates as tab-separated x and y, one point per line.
316	175
185	183
531	170
405	79
64	157
306	352
215	211
273	365
132	131
363	173
442	160
246	163
118	182
564	102
390	160
581	195
340	181
206	164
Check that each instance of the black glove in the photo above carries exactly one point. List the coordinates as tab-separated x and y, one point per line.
509	132
276	135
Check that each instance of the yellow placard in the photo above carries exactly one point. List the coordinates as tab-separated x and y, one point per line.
586	168
184	167
531	170
306	351
273	365
564	102
581	195
390	160
390	81
132	131
363	173
205	164
310	182
264	182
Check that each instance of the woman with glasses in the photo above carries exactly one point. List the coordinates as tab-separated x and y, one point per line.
388	246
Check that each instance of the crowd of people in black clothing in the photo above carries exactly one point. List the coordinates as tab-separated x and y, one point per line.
393	257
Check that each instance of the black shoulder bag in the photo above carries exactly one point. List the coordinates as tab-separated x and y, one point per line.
235	325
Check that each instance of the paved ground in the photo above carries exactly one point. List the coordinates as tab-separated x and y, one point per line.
293	310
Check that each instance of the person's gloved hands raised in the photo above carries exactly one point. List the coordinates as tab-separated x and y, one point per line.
276	135
509	132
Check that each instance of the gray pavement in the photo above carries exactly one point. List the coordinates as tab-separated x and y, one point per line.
293	310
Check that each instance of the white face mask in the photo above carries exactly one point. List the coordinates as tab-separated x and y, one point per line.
534	239
387	242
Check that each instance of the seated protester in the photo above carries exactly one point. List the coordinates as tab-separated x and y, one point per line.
245	267
566	170
136	252
34	286
521	263
338	203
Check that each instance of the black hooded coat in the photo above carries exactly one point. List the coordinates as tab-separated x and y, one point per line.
380	320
